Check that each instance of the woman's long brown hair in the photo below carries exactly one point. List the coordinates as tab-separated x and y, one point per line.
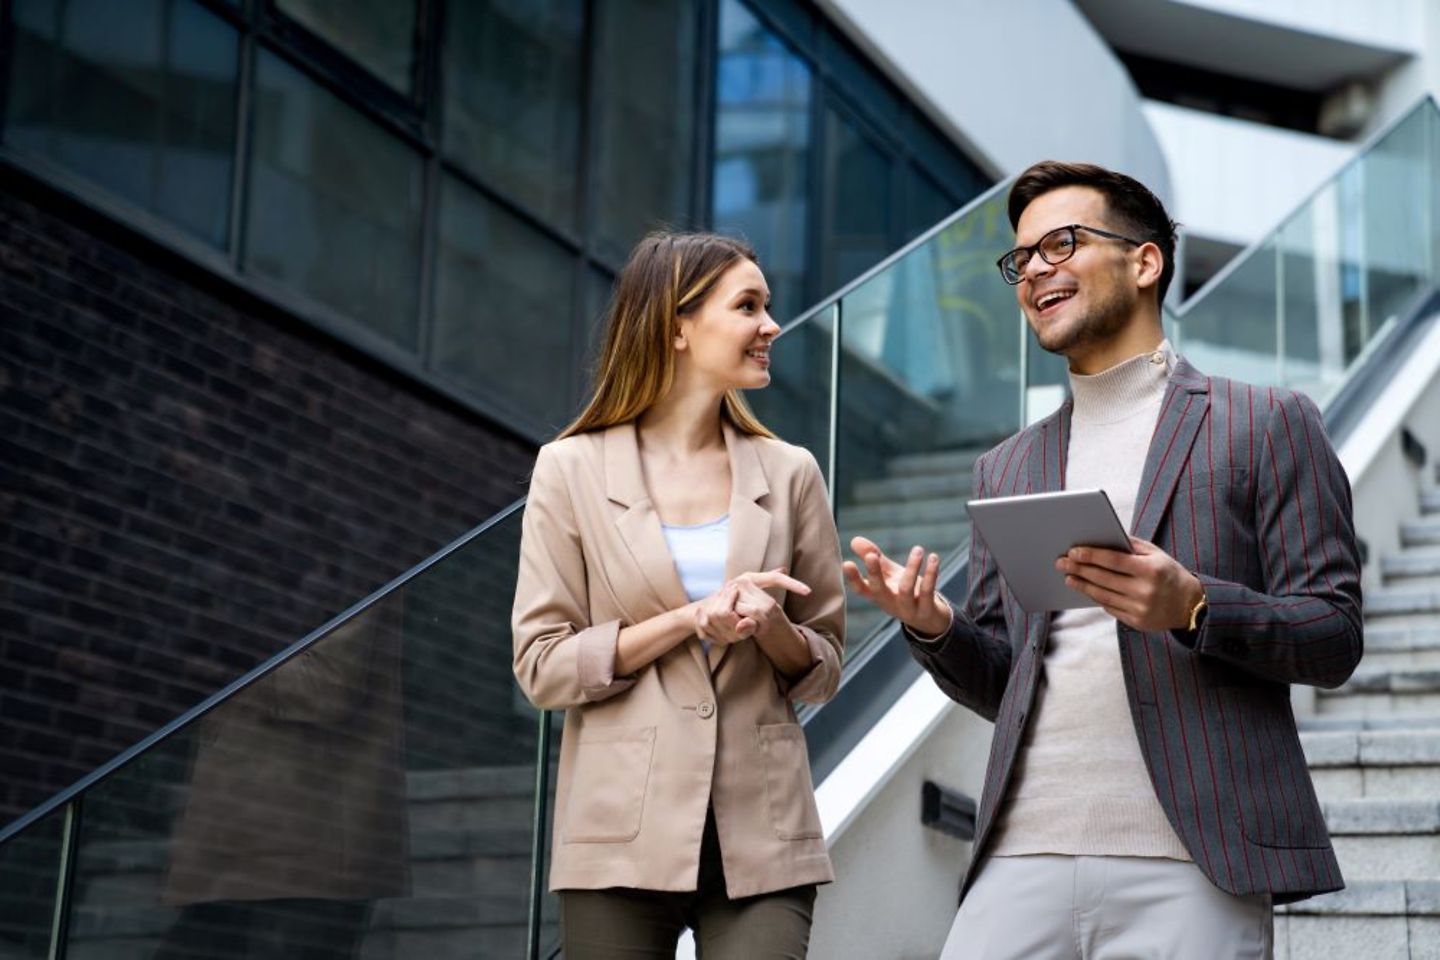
667	277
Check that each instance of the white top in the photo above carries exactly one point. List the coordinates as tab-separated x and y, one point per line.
699	554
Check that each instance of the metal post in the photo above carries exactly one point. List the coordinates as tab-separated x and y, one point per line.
834	428
65	882
1280	307
538	835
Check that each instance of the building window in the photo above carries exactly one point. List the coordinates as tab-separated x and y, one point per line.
138	98
645	120
505	319
762	146
513	107
425	210
377	34
334	204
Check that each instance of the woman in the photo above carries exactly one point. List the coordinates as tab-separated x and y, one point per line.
679	587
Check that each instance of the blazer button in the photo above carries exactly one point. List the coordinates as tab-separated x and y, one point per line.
705	710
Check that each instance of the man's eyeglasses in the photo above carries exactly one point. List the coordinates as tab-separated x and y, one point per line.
1055	247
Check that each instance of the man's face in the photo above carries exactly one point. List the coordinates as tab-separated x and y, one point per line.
1080	304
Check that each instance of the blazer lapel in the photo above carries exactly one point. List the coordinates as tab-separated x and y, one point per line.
1045	469
1045	461
749	521
639	525
1187	400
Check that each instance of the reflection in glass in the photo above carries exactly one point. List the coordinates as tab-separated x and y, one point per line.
137	97
856	225
1398	180
377	34
371	797
334	204
762	139
505	322
796	405
513	99
29	872
1234	327
931	377
645	119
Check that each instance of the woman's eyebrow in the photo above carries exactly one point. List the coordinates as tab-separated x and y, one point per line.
748	291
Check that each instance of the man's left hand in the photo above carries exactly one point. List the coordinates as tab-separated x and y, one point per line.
1148	589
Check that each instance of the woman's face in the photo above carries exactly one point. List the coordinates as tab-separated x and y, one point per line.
725	344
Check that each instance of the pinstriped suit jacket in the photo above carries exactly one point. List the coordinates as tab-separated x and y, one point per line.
1240	485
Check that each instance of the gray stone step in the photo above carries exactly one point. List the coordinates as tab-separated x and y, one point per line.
897	541
1418	721
1378	690
1400	569
1387	602
1371	919
919	487
1383	839
1424	532
1394	764
943	462
1402	645
902	513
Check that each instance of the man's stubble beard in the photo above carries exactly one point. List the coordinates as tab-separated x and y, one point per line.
1098	324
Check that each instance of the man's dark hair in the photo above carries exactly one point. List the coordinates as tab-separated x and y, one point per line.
1129	205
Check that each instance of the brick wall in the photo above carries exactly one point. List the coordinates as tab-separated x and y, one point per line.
189	481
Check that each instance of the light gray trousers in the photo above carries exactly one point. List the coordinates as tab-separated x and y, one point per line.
1105	908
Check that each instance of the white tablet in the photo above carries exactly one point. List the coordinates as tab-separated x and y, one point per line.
1027	534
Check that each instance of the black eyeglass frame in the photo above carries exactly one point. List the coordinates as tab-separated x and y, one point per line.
1034	249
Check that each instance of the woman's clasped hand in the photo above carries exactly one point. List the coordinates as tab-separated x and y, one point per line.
742	608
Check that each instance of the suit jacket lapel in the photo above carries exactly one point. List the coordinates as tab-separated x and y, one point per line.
749	521
639	525
1046	473
1187	400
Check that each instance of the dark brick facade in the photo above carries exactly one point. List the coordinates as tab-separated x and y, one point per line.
189	481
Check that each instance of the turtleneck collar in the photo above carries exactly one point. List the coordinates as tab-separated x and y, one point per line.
1124	390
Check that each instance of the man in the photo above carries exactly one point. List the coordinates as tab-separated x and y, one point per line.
1146	793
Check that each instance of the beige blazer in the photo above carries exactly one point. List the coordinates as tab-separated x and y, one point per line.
643	756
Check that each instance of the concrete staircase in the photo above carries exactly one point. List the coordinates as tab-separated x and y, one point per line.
1374	752
919	500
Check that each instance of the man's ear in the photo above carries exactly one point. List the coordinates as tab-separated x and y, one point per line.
1149	265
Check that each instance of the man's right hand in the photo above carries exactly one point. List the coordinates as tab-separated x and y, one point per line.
905	593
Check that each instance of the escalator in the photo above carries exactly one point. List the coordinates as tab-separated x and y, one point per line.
381	789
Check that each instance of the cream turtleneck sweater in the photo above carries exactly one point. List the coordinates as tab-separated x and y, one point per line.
1080	784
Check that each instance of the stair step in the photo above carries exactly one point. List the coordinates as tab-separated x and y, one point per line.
1369	918
1394	764
1400	644
1376	690
896	542
918	487
1384	839
1421	533
1409	564
905	512
941	461
1398	601
1417	721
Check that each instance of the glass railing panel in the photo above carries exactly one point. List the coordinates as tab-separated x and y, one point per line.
1233	329
1312	270
29	883
931	375
796	405
372	796
1398	181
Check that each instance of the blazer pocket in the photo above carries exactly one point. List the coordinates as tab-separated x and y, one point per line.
787	782
607	786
